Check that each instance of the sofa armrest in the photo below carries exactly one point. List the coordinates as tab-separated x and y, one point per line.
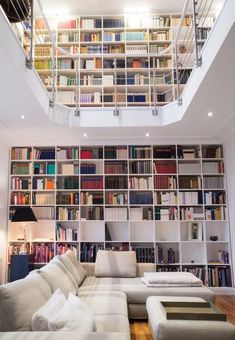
144	267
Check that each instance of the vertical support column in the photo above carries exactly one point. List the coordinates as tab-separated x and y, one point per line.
177	76
29	58
77	97
53	74
154	112
116	110
198	60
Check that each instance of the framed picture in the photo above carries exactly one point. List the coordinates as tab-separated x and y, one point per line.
195	231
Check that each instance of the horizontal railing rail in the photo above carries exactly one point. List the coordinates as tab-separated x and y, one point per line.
185	50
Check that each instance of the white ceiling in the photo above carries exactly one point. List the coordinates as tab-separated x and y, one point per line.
216	94
99	7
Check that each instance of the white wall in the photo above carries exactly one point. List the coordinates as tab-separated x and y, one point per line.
4	161
230	169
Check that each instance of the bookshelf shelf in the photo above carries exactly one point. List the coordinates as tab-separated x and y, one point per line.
131	207
95	42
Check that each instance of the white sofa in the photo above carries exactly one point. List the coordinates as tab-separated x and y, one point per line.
111	299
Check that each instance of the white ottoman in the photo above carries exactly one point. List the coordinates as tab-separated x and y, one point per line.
163	329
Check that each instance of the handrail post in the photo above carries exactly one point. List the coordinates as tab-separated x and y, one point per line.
29	58
53	73
77	108
197	58
116	110
177	75
154	112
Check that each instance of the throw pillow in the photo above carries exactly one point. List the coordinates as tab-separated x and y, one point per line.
42	316
74	315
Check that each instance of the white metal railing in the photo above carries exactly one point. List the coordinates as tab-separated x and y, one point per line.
185	48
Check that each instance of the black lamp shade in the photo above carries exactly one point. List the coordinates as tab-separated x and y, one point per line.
24	214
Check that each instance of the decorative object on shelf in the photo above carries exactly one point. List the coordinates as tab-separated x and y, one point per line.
194	231
24	215
214	238
182	49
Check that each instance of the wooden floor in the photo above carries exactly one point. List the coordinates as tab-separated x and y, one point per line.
140	330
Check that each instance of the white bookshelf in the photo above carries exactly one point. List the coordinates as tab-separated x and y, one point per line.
150	198
120	40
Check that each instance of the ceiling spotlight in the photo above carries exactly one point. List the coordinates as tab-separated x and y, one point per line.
147	134
23	116
210	114
85	135
134	10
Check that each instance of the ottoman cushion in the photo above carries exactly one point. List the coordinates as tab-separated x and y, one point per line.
163	329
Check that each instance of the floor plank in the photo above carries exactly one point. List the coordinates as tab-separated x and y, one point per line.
227	304
141	331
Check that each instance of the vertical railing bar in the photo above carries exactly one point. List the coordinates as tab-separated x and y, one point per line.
189	44
77	108
20	20
53	68
25	7
29	60
154	88
177	74
198	59
198	9
186	64
187	34
207	13
46	22
17	13
116	111
22	12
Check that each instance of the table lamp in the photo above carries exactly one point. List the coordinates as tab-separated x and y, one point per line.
24	215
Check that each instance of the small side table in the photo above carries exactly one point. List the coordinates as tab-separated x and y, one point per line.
19	267
163	329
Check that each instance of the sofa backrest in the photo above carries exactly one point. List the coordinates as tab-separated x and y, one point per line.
140	268
115	263
19	300
58	276
74	267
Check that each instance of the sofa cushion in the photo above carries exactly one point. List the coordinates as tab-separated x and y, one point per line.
19	300
42	316
57	276
70	261
115	263
112	323
106	302
74	315
61	336
137	292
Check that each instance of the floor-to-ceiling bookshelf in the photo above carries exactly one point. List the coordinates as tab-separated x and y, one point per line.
115	59
167	202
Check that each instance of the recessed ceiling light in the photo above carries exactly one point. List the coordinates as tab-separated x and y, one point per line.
85	135
134	10
23	116
147	134
210	114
